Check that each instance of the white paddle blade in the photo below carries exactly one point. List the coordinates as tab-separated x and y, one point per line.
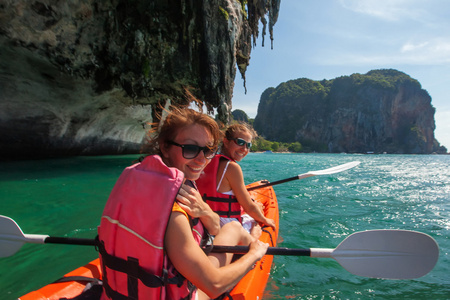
9	232
9	248
12	237
390	254
336	169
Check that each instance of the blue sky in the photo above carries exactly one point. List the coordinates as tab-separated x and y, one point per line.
325	39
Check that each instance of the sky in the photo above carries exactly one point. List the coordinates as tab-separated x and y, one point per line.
325	39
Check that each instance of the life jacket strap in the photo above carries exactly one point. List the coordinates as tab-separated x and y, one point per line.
134	272
80	279
229	213
230	199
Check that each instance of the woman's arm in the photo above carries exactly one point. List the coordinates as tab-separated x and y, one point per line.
235	179
188	258
191	201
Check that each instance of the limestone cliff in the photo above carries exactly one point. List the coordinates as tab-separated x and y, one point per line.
85	76
381	111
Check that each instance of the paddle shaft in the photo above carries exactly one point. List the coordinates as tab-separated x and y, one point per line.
70	241
280	181
216	249
270	250
328	171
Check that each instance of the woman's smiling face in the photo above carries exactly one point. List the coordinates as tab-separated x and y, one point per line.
233	150
173	156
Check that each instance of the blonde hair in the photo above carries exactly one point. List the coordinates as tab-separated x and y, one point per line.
240	127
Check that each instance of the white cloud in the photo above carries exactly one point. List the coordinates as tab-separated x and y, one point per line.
393	10
428	52
434	51
408	47
389	10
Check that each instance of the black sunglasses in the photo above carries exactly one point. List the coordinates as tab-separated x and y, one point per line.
242	142
192	151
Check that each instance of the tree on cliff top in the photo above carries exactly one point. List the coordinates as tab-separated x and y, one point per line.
240	115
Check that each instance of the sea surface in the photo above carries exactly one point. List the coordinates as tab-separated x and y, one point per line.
65	197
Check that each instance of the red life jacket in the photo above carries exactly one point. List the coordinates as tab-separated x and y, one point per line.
226	206
131	235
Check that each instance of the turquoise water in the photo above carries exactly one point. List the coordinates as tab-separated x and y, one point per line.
65	197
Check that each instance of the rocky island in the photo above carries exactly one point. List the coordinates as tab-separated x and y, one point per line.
382	111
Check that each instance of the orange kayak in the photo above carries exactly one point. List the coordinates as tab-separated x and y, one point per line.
250	287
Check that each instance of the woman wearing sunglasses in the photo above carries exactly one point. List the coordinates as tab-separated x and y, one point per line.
222	184
155	221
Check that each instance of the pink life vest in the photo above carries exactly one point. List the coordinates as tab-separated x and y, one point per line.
226	206
131	234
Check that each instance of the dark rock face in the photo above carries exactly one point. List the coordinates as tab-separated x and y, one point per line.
381	111
85	77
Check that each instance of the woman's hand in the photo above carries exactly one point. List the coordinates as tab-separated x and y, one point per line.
270	223
258	248
192	203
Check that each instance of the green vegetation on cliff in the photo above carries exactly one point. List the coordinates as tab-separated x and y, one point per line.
240	116
261	144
